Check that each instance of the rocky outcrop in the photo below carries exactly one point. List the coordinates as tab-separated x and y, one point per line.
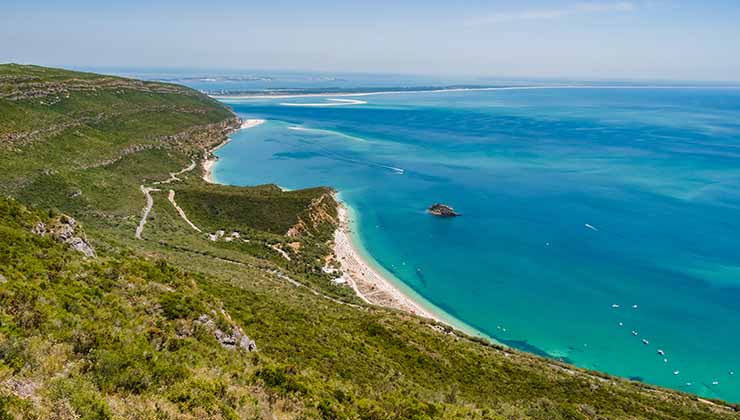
54	129
318	212
200	137
64	229
135	148
442	210
16	88
205	136
233	340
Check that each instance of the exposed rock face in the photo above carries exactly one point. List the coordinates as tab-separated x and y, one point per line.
237	338
442	210
64	230
16	88
39	229
318	212
201	136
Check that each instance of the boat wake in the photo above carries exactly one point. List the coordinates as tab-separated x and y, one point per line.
399	171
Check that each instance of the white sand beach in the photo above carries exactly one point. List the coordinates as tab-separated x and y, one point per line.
368	283
334	102
251	123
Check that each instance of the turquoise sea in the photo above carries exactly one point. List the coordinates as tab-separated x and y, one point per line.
574	201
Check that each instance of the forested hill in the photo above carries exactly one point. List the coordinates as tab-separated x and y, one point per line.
130	288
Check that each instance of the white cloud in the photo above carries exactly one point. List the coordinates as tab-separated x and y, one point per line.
552	14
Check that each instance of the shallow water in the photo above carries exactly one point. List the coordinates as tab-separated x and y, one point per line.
654	173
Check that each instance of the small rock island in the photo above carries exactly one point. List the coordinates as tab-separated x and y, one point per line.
442	210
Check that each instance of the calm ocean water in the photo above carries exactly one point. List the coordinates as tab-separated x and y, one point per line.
574	201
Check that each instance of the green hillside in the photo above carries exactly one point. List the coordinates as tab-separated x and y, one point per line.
222	315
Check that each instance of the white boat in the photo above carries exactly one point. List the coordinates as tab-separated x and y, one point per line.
634	333
661	352
676	372
615	306
645	342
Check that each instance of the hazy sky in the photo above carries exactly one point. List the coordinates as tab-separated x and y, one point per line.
664	39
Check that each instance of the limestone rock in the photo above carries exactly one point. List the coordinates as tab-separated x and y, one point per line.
64	230
39	229
237	338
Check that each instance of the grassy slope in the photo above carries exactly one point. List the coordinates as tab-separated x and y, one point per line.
115	337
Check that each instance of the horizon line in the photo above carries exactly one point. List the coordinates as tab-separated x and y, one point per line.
137	67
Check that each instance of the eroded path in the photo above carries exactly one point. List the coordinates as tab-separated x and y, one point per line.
150	200
181	212
148	208
173	175
279	251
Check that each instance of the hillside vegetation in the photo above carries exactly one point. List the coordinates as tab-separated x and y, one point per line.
221	309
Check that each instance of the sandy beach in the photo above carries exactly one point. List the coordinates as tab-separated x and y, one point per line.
367	282
210	159
251	123
330	102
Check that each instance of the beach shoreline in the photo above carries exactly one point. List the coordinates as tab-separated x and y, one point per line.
210	159
370	285
376	288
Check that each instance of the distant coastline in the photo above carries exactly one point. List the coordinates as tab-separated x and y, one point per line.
271	94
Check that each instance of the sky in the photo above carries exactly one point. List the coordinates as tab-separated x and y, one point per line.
578	39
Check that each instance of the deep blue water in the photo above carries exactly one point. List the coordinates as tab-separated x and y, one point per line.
654	172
